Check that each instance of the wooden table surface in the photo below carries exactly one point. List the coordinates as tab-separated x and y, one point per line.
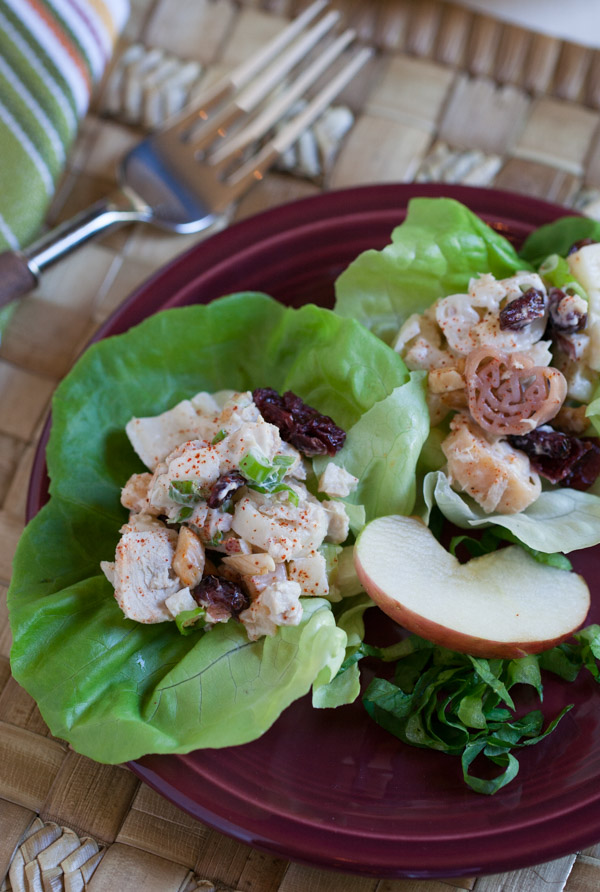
69	823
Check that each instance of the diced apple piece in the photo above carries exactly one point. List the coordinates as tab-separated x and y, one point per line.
189	558
503	604
250	564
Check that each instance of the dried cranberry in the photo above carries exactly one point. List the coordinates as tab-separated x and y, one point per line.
222	597
561	458
224	488
584	472
563	322
582	243
304	427
520	312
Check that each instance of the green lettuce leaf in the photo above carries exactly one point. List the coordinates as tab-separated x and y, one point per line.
560	520
382	449
438	248
557	238
116	689
344	687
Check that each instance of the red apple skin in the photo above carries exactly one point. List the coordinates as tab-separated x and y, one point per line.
452	638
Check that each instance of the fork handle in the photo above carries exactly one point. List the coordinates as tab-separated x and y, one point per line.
20	270
16	278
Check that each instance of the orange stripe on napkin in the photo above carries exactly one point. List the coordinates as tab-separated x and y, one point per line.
70	48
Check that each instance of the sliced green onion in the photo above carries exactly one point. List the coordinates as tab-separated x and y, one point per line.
256	467
185	492
556	272
189	621
216	540
283	461
185	514
279	487
265	476
218	437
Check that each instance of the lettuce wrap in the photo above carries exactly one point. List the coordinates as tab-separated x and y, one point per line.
116	689
439	247
434	252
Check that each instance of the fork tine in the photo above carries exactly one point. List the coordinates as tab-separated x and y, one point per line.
255	167
249	98
276	109
290	133
243	74
271	78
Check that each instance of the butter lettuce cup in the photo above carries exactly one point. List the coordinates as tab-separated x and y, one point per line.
116	689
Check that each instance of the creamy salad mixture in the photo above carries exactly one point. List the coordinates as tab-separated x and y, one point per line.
513	364
222	524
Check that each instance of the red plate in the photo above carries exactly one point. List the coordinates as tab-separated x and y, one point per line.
331	788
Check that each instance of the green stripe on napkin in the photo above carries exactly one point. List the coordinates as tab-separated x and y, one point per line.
51	52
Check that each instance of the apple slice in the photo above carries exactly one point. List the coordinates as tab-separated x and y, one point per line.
503	604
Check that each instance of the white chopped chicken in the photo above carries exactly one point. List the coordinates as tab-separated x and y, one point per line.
338	522
155	438
142	573
135	494
471	320
277	605
223	513
419	342
497	476
180	602
281	529
337	482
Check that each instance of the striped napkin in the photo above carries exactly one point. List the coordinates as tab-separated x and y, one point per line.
52	53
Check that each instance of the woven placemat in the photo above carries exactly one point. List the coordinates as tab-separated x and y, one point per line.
451	96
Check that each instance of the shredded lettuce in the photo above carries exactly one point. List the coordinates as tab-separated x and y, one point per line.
463	706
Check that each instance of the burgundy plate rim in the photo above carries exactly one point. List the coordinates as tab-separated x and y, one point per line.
342	850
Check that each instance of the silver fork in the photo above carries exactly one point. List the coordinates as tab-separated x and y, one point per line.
182	178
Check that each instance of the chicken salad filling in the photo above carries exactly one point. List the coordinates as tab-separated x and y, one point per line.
222	525
511	365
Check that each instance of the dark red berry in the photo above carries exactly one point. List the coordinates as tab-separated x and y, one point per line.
561	458
522	310
224	488
304	427
222	597
582	243
584	472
